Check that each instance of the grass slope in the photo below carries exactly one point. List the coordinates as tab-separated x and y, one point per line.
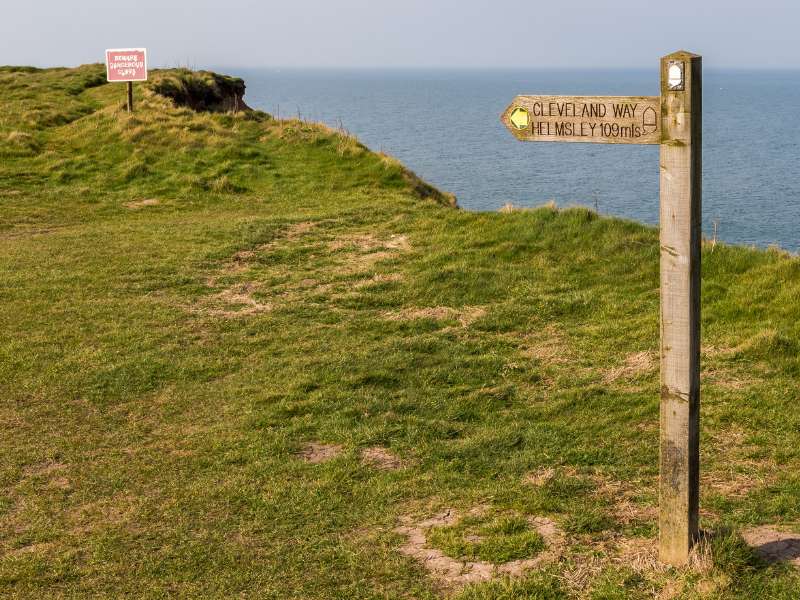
188	299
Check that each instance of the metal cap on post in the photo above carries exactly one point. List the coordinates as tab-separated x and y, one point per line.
680	235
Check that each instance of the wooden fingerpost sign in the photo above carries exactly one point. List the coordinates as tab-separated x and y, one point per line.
672	120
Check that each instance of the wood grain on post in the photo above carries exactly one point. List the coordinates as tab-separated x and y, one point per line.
681	193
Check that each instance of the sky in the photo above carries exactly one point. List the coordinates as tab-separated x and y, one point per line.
403	33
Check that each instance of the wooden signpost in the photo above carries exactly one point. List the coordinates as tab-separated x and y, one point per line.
672	120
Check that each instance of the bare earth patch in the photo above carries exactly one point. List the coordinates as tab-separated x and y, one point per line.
582	558
465	315
455	573
316	453
381	458
773	545
137	204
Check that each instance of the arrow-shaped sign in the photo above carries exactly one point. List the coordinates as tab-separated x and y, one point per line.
593	119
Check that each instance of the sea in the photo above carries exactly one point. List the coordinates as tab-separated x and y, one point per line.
445	126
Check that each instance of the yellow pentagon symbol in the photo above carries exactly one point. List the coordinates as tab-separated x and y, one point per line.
519	118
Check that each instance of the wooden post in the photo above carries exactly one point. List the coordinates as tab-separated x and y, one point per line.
634	120
130	96
681	193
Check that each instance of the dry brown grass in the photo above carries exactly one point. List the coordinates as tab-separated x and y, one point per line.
235	301
44	469
548	345
585	562
377	280
111	511
636	364
621	497
370	243
727	378
733	484
137	204
509	207
360	252
466	315
353	254
730	469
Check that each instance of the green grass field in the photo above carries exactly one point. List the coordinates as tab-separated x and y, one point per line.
242	357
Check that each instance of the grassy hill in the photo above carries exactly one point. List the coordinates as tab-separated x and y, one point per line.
242	357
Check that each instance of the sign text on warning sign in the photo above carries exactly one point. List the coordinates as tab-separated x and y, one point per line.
126	64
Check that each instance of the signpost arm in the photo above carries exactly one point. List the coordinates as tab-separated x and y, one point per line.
130	96
680	239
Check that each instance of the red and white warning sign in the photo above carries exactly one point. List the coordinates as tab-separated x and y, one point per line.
126	64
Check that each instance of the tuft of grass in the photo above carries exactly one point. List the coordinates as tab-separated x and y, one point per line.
591	520
19	143
537	586
199	90
497	539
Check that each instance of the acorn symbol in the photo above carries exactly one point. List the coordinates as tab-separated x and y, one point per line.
649	124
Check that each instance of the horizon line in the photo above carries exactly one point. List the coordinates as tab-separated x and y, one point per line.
194	66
